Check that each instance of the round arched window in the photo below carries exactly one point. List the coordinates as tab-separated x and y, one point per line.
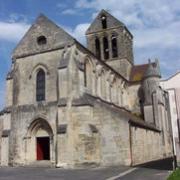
41	40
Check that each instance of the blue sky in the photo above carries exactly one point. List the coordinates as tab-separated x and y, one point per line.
154	24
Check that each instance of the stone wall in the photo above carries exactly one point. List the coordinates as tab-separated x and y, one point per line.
122	66
22	137
124	42
148	145
102	81
93	136
114	142
9	92
114	130
134	99
123	63
5	132
24	89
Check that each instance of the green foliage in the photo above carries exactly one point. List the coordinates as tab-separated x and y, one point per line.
175	175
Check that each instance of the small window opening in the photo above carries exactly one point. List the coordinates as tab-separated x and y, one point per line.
106	48
104	22
98	48
41	40
93	128
62	129
114	46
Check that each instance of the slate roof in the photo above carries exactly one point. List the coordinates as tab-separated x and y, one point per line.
138	72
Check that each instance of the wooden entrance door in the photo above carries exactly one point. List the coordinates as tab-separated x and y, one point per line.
43	148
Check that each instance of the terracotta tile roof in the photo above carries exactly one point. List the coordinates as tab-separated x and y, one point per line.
138	71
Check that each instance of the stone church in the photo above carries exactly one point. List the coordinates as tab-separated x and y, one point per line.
72	106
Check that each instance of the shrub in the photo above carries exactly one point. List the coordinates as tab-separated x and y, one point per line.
175	175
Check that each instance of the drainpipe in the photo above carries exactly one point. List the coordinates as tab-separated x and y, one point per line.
178	125
130	143
56	143
56	135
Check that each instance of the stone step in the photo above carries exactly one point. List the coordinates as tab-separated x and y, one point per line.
43	163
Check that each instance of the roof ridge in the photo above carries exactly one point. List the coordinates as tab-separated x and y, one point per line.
143	64
39	25
178	72
51	21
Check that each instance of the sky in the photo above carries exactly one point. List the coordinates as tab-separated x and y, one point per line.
155	26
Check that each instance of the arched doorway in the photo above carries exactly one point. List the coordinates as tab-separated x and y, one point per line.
40	141
42	145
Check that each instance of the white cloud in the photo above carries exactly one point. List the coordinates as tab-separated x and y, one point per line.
152	23
61	5
133	12
69	12
79	32
160	37
12	31
14	17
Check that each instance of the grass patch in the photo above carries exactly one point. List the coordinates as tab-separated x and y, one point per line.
175	175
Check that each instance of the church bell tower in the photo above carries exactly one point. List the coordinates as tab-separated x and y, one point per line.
109	40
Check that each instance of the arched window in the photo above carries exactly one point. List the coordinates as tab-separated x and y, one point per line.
88	75
40	85
98	48
41	40
103	85
106	48
85	75
104	21
114	46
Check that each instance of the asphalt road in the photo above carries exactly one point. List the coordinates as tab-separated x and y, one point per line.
112	173
146	174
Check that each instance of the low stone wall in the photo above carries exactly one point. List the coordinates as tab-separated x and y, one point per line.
147	145
96	135
114	131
